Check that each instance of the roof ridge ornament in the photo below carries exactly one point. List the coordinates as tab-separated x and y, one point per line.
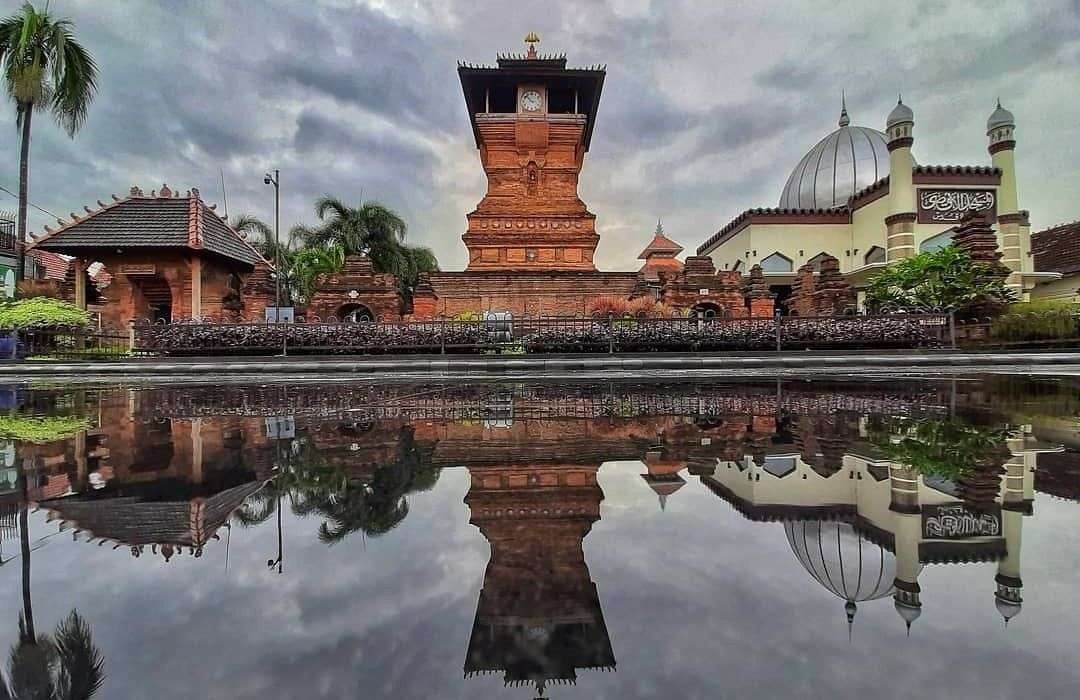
532	39
844	119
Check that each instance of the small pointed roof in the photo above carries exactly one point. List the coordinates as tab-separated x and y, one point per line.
660	244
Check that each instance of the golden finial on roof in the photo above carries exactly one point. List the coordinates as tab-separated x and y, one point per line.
532	39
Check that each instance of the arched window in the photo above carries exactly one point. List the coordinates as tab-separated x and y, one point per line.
708	310
777	263
876	254
355	313
815	261
937	242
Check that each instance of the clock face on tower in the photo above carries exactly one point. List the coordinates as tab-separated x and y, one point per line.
531	101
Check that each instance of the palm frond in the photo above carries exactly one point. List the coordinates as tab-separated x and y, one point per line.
82	666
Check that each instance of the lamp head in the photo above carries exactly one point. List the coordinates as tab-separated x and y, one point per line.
266	179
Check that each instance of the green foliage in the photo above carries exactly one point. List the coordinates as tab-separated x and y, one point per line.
307	264
42	312
1041	320
373	230
45	66
347	504
469	316
41	429
943	280
65	666
948	448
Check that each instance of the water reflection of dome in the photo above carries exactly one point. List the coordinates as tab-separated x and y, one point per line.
838	166
842	560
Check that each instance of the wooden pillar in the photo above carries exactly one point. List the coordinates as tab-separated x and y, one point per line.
196	451
80	282
196	287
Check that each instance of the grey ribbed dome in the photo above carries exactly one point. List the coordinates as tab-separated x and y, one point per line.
1001	117
900	113
841	164
847	564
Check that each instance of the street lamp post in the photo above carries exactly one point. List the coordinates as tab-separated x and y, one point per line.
269	179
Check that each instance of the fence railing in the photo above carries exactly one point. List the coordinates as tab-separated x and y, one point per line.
546	335
7	235
83	344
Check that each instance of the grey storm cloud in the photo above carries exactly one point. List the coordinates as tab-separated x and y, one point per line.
706	106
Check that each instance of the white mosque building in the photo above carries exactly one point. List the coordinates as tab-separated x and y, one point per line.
866	531
860	196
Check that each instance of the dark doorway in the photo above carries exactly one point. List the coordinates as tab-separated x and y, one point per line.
157	297
783	297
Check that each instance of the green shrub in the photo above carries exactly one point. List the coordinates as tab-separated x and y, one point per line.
1040	320
41	429
943	280
469	316
42	312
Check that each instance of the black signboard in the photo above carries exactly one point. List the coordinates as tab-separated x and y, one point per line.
949	206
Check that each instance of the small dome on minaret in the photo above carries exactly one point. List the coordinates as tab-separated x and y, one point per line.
900	114
660	254
1001	117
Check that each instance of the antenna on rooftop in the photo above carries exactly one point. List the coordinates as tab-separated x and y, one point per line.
224	196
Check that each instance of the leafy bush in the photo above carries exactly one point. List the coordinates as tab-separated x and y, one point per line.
948	448
1042	320
339	338
680	335
469	316
42	313
41	429
943	280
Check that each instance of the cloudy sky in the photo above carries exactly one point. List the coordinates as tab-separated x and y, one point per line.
707	106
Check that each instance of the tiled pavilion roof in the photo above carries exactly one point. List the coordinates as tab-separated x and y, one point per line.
162	219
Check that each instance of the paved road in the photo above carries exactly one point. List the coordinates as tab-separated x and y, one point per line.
466	367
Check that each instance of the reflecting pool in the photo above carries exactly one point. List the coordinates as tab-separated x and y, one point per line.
782	538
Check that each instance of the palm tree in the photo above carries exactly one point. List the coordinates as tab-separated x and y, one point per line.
44	67
370	229
66	666
375	231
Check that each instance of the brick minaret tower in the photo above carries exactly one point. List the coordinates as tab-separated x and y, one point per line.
532	118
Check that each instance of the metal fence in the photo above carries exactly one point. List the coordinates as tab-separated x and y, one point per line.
65	344
546	335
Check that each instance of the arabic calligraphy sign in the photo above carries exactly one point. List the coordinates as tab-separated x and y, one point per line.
955	521
937	206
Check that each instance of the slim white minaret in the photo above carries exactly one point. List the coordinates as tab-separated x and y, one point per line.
900	223
1014	229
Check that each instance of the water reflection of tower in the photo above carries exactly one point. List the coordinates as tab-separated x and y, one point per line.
538	619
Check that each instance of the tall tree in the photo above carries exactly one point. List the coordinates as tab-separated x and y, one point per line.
374	230
44	68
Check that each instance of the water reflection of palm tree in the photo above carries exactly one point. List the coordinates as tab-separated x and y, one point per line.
64	666
348	504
